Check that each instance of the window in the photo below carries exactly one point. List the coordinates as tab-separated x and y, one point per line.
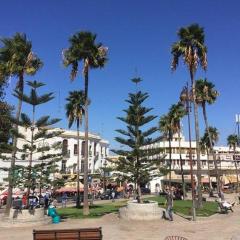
75	150
95	149
65	147
63	167
83	149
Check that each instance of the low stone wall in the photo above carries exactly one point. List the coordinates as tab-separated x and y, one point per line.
19	217
141	211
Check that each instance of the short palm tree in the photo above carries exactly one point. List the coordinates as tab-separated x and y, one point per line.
178	111
232	142
167	128
191	47
206	94
210	134
17	59
75	111
83	48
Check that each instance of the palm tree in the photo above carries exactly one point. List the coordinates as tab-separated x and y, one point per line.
167	128
192	49
17	59
75	111
206	94
178	111
83	48
232	142
210	134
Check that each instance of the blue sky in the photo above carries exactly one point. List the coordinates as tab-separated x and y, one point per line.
139	35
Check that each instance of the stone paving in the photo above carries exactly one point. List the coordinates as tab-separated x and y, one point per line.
216	227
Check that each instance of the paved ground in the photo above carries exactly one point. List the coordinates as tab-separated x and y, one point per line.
217	227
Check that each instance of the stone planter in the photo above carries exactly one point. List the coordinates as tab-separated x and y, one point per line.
141	211
20	217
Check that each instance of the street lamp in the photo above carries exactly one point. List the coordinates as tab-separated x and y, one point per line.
104	176
185	98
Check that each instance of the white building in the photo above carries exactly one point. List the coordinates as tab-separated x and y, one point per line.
98	151
224	155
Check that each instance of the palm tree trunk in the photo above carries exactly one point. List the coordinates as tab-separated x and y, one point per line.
12	167
181	163
199	175
236	168
85	196
170	158
209	177
211	146
78	162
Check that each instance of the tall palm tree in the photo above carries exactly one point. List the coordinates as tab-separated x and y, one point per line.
178	111
232	142
211	134
191	47
206	94
17	59
75	111
83	48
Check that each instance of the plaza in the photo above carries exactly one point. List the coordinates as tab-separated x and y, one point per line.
215	227
119	120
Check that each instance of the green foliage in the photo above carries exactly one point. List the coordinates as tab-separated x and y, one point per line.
5	122
184	207
83	47
232	141
205	141
17	58
35	146
190	47
96	210
75	107
138	162
205	92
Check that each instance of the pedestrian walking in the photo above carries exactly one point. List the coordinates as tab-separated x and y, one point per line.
64	200
169	205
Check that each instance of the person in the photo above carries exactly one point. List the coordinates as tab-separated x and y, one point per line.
113	195
46	201
64	200
169	204
24	201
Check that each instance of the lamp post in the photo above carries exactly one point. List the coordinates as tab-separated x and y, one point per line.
185	98
104	176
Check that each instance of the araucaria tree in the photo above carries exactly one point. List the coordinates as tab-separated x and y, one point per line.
84	48
32	147
139	161
17	59
75	112
191	47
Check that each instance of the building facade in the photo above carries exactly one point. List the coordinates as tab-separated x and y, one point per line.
98	152
228	163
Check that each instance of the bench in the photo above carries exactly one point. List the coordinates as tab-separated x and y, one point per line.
68	234
224	209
